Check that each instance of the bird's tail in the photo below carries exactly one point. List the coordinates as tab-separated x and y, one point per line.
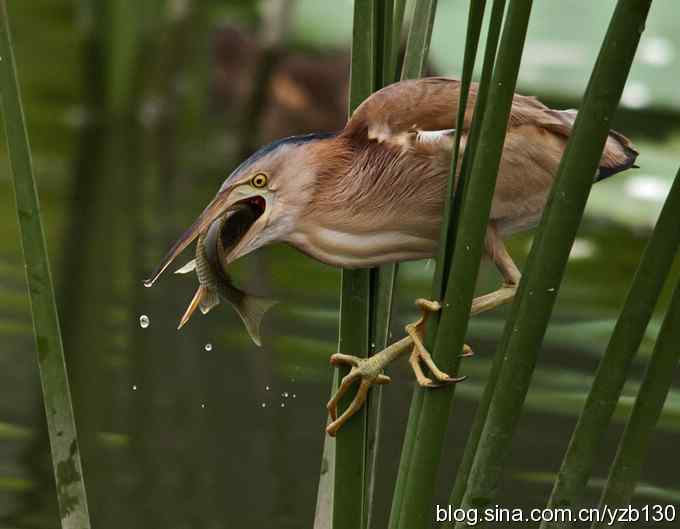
618	155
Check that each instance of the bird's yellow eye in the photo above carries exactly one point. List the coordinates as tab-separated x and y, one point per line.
259	180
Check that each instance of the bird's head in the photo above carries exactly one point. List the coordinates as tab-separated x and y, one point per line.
276	182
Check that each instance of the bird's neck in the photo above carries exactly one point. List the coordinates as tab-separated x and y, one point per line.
361	211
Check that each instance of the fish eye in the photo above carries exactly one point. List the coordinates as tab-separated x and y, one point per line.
259	180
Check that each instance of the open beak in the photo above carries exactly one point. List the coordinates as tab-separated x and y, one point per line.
224	200
245	242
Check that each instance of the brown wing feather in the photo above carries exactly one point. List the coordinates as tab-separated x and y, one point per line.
421	104
393	113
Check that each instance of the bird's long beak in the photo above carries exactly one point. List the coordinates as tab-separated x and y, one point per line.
221	203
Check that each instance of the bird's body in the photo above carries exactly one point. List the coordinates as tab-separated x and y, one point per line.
374	193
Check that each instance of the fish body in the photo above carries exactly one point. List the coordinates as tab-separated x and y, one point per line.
215	284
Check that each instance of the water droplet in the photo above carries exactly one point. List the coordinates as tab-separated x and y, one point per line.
144	321
134	387
203	405
284	394
148	283
294	395
263	405
266	388
283	404
208	347
551	289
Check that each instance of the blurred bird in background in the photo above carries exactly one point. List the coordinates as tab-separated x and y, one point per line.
374	192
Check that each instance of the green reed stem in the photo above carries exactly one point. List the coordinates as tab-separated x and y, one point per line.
419	37
475	432
625	471
452	205
349	503
614	367
531	311
383	278
68	471
448	226
463	271
415	59
398	24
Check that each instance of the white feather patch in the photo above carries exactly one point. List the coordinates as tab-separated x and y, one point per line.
436	136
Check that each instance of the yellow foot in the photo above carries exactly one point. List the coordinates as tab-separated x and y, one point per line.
420	354
367	371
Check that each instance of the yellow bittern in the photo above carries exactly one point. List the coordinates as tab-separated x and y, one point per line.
373	193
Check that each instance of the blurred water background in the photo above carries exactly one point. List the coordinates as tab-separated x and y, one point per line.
137	111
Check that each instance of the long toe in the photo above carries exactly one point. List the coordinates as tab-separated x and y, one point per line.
355	406
365	370
339	359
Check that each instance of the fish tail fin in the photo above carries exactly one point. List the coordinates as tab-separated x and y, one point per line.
195	301
203	299
252	309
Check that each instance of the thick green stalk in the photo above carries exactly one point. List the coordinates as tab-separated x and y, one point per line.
452	205
531	311
475	432
467	255
614	367
57	397
446	248
415	58
419	37
472	40
385	65
383	278
398	24
323	513
349	504
625	471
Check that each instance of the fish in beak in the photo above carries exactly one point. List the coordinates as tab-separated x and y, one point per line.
221	205
212	252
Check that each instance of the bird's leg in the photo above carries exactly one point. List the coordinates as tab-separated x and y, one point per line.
369	371
511	274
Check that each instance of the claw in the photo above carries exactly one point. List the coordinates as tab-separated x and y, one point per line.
369	370
467	352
